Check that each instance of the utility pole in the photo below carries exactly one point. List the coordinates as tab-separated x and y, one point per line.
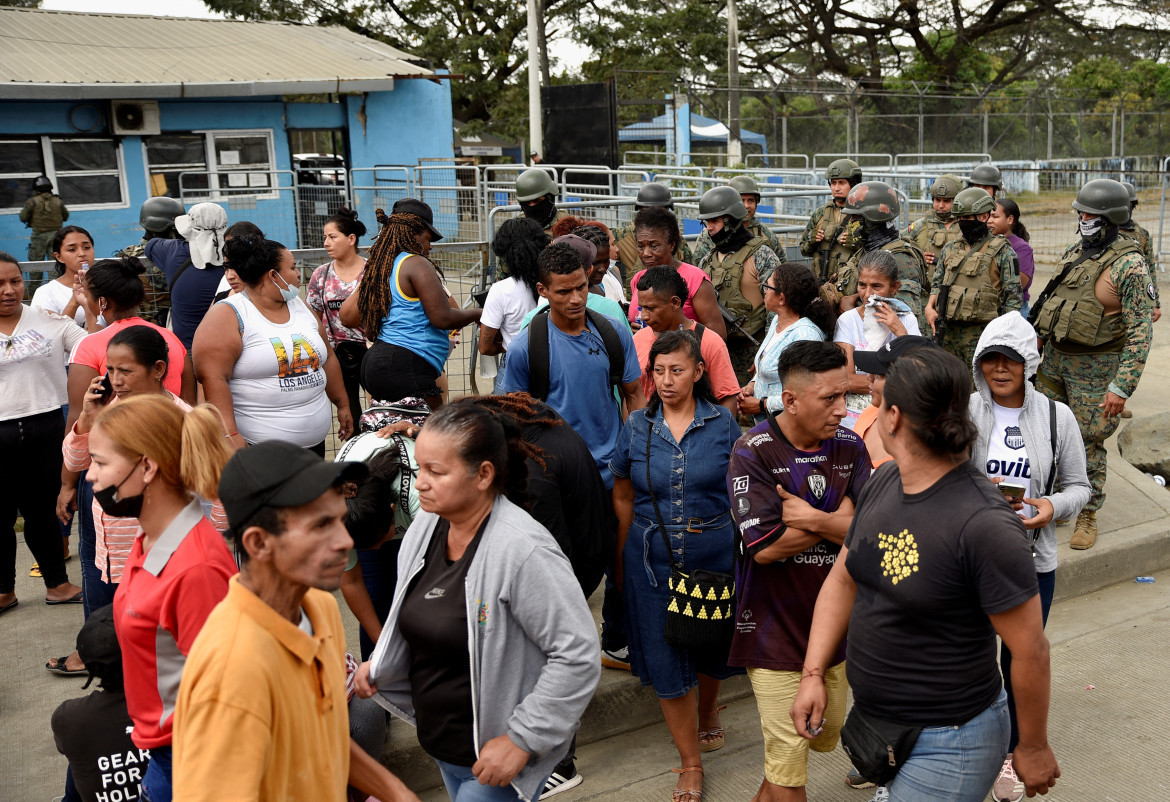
535	134
734	146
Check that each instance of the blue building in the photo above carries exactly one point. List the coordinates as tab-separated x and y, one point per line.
279	123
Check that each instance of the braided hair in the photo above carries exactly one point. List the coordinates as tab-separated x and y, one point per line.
396	237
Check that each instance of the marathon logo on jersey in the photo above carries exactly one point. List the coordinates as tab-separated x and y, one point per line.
817	484
742	506
759	438
1013	438
813	459
739	485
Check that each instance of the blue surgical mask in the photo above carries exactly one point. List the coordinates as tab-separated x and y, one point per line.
289	293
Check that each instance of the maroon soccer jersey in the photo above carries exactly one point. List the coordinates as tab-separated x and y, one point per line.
775	601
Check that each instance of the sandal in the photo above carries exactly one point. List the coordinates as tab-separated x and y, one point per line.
687	795
712	738
60	670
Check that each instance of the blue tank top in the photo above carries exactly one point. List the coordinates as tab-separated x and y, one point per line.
407	326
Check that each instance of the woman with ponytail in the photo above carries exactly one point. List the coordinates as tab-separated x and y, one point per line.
935	565
1005	221
402	305
496	713
790	293
153	462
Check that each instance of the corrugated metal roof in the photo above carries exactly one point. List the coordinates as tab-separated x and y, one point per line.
60	54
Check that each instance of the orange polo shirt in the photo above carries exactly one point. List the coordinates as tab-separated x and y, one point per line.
262	706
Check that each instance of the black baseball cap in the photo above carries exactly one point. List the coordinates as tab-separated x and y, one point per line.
278	474
418	209
97	644
1008	351
879	361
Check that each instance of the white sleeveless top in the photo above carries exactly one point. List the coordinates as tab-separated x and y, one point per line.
278	383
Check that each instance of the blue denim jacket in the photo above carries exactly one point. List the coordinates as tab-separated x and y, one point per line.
689	478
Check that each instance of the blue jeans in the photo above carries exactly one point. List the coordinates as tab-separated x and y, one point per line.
955	764
156	783
1047	582
95	593
380	576
462	786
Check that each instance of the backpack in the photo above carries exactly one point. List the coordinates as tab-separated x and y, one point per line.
538	356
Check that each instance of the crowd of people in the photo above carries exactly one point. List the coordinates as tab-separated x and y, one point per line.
751	454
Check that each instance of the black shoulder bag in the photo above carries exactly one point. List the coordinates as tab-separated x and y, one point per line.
700	612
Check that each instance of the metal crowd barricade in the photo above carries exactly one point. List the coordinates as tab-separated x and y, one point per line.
657	158
822	160
582	189
784	158
919	160
268	198
373	188
453	193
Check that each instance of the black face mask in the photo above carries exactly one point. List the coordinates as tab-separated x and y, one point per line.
730	240
973	230
945	217
543	211
128	507
878	234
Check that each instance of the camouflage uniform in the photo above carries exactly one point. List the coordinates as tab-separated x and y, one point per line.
627	249
961	337
839	223
1146	242
1079	379
931	234
741	349
704	245
44	213
156	304
911	276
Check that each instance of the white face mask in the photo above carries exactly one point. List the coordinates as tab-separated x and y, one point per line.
289	293
1090	228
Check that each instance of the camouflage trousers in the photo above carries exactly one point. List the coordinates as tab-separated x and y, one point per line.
1080	380
961	339
40	246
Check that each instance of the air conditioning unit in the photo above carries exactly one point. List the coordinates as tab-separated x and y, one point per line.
134	117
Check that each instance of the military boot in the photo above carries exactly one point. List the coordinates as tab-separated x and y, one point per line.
1085	533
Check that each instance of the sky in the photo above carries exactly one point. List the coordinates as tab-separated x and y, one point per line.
565	54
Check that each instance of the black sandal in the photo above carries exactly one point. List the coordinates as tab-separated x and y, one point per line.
61	671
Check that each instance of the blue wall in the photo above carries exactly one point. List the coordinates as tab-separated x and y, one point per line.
411	123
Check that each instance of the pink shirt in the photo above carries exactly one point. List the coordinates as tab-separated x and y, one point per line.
714	352
693	276
91	351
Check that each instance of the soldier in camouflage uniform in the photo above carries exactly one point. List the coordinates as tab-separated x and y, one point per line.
988	178
1094	319
876	205
739	263
749	193
536	192
1142	237
831	237
936	229
976	279
157	218
44	213
628	262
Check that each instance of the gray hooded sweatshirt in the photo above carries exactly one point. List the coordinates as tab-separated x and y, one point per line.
1014	331
531	638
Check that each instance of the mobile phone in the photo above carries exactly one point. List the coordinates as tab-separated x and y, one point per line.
1012	492
105	388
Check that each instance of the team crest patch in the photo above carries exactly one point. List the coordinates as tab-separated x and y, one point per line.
817	484
1013	438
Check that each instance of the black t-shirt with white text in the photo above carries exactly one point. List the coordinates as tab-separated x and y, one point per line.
930	568
93	732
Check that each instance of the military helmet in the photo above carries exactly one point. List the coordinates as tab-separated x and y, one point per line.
721	201
158	215
745	185
945	186
654	194
986	175
534	183
844	168
972	200
876	201
43	184
1132	190
1105	197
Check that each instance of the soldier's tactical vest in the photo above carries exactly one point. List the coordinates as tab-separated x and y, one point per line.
47	213
974	278
828	259
156	299
932	236
1072	314
726	276
1138	235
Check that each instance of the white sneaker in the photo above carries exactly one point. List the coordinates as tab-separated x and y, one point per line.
880	794
616	658
1008	787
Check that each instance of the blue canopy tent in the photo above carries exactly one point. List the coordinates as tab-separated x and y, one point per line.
704	131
